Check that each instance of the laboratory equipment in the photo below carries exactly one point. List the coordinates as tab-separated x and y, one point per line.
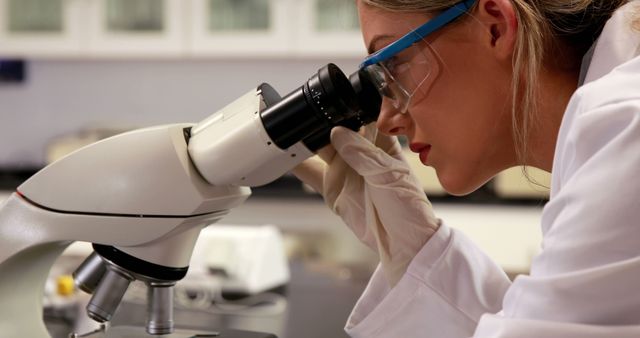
12	71
142	198
245	260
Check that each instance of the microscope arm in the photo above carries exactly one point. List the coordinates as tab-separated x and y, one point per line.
137	193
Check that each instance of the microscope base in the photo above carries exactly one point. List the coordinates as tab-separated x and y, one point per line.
139	332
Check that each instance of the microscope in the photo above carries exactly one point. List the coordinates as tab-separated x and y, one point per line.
142	197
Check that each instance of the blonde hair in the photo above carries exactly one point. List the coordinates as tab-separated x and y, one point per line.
544	25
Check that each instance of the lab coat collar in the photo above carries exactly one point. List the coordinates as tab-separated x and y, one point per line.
617	44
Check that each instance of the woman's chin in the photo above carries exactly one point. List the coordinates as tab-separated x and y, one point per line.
458	184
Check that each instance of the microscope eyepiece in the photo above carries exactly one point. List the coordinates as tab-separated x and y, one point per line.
367	96
332	95
326	100
367	110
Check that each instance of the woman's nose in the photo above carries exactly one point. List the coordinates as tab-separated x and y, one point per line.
391	121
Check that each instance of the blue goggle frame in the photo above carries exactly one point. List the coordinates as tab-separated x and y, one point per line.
418	34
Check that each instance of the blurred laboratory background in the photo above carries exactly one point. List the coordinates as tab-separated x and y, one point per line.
73	72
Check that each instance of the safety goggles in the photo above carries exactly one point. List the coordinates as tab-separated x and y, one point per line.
400	68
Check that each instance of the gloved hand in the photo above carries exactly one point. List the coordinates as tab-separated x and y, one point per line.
371	187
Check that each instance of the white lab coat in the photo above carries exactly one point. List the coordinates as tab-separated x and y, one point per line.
586	281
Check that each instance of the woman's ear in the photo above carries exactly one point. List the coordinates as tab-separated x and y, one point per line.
501	23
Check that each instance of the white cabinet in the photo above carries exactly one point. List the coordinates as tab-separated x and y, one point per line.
42	27
177	28
258	28
328	28
136	27
240	28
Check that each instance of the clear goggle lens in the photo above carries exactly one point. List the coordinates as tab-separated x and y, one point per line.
403	76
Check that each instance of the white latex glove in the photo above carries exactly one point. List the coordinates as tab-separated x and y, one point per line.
371	187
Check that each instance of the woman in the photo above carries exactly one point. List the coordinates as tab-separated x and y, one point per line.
479	86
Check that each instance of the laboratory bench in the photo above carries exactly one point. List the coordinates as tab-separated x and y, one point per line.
314	304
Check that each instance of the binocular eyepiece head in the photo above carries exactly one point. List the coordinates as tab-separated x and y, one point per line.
328	99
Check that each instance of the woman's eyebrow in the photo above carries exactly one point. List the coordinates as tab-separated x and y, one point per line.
371	48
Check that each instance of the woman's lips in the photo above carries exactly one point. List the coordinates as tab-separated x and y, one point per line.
422	149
